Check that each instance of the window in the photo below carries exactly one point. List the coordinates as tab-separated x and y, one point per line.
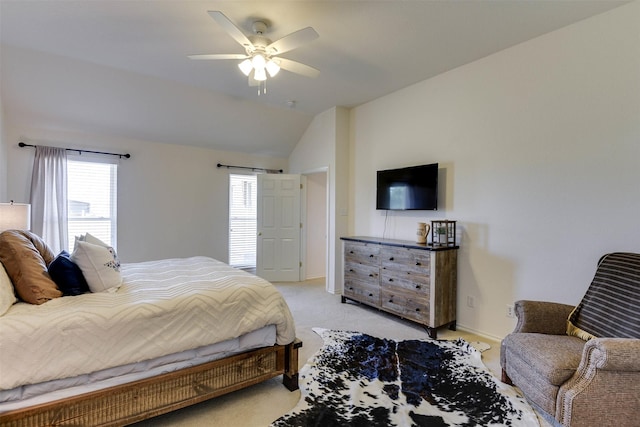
242	220
91	200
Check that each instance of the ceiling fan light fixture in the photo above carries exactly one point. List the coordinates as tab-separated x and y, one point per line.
258	61
259	74
272	68
246	66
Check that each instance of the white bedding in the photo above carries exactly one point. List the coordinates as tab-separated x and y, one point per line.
35	394
162	307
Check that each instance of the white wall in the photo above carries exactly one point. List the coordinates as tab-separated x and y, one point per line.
172	199
325	145
3	156
539	145
316	225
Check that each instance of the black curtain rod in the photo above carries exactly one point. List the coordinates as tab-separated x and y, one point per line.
220	165
126	156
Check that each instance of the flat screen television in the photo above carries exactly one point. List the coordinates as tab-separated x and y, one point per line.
410	188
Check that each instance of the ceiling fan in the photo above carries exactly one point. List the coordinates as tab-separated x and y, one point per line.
261	55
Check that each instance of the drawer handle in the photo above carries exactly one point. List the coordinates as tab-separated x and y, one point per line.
391	280
370	274
371	256
350	288
417	309
391	259
390	300
370	295
351	270
418	263
350	252
418	286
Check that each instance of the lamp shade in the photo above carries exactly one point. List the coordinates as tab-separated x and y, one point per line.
272	67
15	216
246	66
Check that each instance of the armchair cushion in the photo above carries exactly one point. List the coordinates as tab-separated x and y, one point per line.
542	317
552	357
609	307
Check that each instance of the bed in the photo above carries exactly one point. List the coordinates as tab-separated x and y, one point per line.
173	333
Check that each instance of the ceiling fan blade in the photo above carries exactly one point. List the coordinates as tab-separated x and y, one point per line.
292	41
297	67
230	28
219	56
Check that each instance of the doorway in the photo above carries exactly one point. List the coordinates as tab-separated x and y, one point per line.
316	226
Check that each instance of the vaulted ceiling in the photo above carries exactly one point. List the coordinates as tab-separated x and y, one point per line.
120	67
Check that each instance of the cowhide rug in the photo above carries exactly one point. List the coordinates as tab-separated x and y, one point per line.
360	380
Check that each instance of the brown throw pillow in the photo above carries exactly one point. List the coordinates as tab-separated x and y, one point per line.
26	257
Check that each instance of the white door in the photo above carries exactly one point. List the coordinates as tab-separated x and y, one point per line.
278	243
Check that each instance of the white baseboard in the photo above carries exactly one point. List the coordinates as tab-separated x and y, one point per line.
477	332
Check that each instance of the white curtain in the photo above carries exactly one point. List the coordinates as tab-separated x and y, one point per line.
49	197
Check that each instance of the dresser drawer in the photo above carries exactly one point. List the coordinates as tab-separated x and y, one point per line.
405	260
363	272
410	281
361	253
368	293
405	304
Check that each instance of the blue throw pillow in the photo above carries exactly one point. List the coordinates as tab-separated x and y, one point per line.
67	275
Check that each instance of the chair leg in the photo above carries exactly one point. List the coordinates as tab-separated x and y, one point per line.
505	378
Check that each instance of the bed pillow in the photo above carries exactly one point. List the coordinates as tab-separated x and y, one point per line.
67	275
7	296
25	257
90	238
100	266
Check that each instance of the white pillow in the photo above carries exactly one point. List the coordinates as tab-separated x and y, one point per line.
99	265
89	238
7	294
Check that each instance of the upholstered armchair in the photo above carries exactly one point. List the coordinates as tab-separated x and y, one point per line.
580	366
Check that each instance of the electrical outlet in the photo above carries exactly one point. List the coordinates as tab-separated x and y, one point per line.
510	311
471	301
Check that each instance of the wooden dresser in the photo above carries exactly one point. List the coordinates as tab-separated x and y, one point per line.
413	281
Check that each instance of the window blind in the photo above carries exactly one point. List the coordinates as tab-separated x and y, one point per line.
242	220
91	200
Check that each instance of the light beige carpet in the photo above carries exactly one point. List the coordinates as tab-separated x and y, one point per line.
311	306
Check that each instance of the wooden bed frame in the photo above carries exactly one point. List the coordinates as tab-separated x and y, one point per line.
139	400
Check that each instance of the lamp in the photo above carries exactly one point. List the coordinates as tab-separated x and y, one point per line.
15	216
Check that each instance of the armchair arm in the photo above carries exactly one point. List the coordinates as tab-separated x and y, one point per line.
542	317
605	389
611	354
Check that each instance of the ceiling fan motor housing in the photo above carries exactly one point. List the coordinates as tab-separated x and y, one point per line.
259	44
259	27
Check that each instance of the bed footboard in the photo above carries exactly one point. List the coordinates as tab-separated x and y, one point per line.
139	400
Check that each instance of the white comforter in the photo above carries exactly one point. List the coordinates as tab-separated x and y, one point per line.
162	307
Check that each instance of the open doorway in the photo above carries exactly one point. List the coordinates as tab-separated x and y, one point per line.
315	237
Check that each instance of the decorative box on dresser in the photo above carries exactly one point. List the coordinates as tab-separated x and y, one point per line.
411	280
